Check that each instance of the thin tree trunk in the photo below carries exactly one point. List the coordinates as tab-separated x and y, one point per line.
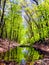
3	11
1	21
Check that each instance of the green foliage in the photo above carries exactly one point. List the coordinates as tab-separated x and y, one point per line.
37	28
37	23
13	29
32	55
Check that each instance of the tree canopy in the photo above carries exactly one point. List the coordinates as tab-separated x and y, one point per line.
25	22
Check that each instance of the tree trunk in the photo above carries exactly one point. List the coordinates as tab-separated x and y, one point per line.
1	21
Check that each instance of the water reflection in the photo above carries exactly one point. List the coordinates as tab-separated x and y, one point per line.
23	62
25	51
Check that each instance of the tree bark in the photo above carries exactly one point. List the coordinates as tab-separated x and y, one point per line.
2	17
3	11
